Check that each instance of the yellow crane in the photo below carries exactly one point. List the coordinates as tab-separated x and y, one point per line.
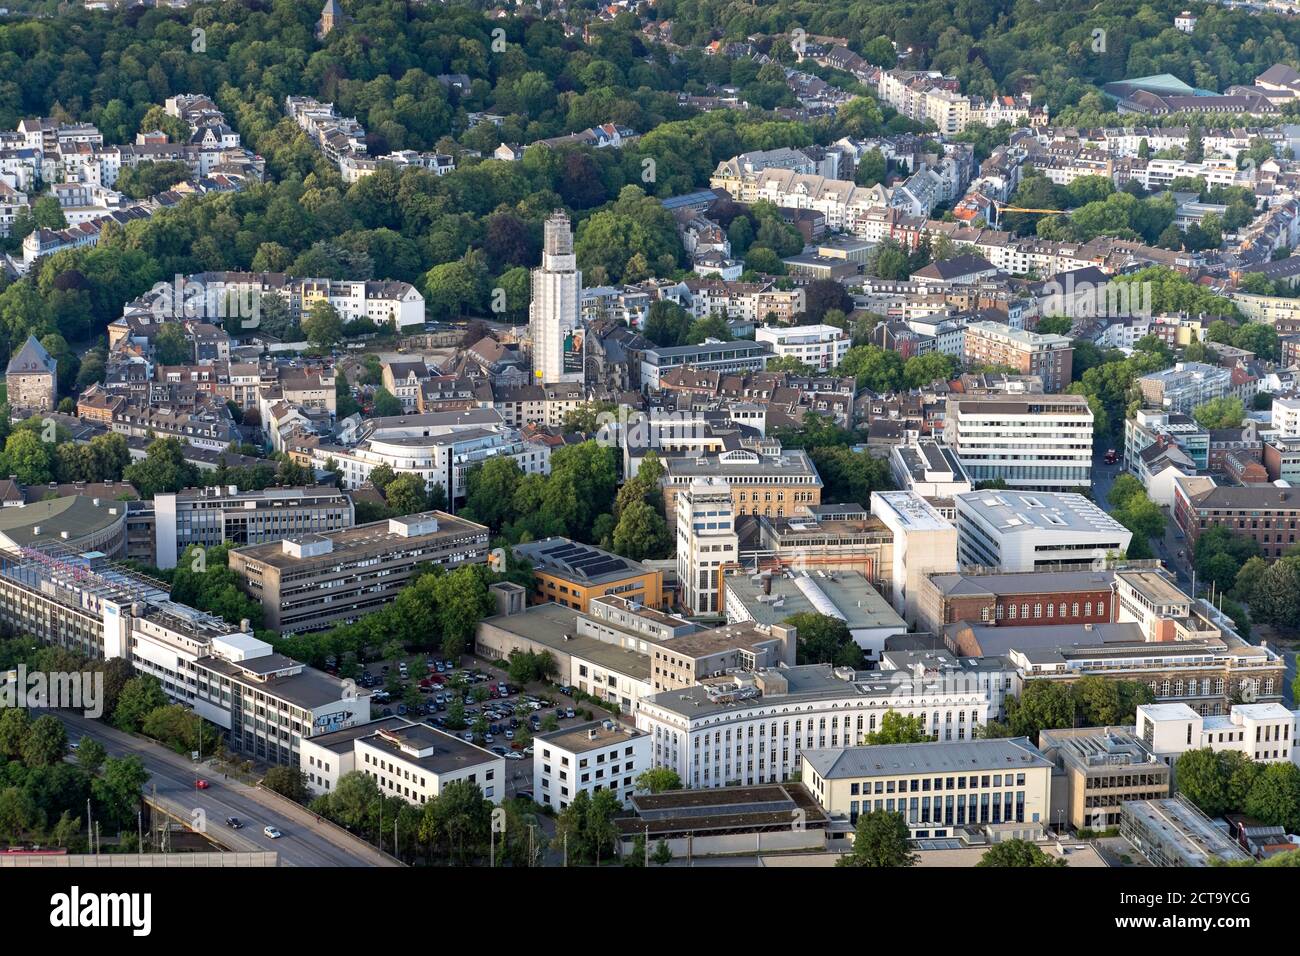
1000	207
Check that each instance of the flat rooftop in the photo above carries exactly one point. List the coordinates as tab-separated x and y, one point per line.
958	584
75	515
722	809
945	756
1155	587
359	540
909	510
308	689
449	753
341	741
846	595
556	627
581	563
593	735
1177	822
1014	512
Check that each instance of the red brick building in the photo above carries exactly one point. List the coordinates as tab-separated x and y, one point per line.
1017	599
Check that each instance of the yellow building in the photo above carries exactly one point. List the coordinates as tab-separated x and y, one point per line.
938	786
571	574
764	480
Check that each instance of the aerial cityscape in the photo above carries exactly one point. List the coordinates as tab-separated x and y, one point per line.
650	435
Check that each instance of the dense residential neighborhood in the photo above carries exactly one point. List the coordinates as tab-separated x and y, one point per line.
653	435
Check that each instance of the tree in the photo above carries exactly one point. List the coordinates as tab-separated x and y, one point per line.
822	639
1274	797
28	458
662	855
658	780
1220	413
1203	778
91	755
139	697
387	405
46	742
880	839
288	782
163	469
407	494
641	533
896	728
322	325
1017	853
170	345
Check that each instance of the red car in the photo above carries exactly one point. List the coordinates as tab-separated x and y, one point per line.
200	785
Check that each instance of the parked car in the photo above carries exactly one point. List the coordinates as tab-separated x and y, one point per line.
467	735
510	735
568	712
273	832
514	755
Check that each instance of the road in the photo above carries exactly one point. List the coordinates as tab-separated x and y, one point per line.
303	843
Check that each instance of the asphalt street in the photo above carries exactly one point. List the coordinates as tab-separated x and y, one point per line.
303	843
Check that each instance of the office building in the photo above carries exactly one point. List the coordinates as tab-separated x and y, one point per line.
771	597
711	355
929	468
939	787
571	574
1040	442
75	523
313	581
1264	733
1266	513
212	516
924	543
706	544
841	537
764	480
745	728
600	755
1100	769
555	312
1050	357
1015	531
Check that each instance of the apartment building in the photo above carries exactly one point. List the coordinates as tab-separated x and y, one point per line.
1179	390
572	574
939	787
1103	768
746	728
1035	442
1013	531
213	516
310	582
1050	357
820	347
588	758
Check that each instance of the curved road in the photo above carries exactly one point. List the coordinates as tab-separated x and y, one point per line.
304	843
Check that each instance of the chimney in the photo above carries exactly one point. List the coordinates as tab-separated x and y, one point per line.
245	627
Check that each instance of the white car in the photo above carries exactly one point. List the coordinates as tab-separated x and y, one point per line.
272	832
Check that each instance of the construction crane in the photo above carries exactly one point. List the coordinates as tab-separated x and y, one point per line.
1000	207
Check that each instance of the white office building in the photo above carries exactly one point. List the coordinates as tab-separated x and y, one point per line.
746	728
706	543
819	347
925	543
1015	531
1037	442
1265	733
601	755
555	314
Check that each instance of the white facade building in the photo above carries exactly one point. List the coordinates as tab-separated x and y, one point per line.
818	346
706	543
589	757
924	543
1014	531
555	314
1265	733
1041	442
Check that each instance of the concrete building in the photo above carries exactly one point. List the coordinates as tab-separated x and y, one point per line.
1098	770
588	758
771	598
212	516
706	731
929	468
737	356
1264	733
940	787
1172	832
1039	442
707	543
75	523
571	574
555	312
820	347
765	480
1266	513
924	543
1048	356
32	378
312	581
1013	531
831	537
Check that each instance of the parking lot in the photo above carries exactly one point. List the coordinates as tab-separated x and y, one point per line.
478	684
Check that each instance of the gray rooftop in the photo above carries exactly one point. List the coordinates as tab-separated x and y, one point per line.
947	756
